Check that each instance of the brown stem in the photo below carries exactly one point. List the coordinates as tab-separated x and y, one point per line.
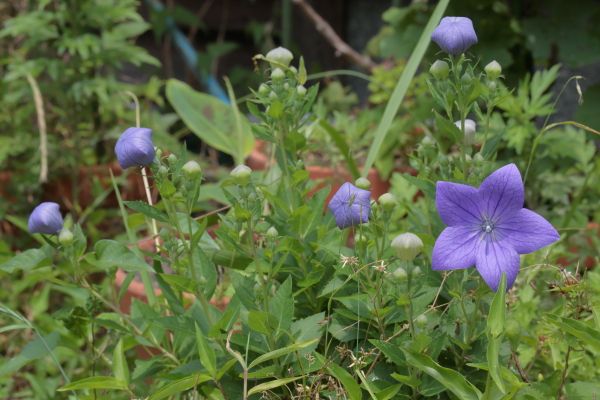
341	48
564	374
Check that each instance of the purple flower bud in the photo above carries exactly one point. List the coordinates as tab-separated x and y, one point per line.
350	206
45	218
135	148
454	35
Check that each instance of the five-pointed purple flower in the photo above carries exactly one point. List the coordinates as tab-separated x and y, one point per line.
454	35
350	205
45	218
135	148
488	227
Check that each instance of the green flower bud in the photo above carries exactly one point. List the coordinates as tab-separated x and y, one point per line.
387	201
493	70
466	79
416	272
277	75
280	55
192	169
400	274
172	159
241	174
163	171
359	238
65	237
492	85
301	90
407	246
272	95
158	153
478	157
272	232
363	183
263	89
421	321
439	69
470	128
293	70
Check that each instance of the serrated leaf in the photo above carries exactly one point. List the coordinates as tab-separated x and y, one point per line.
206	353
120	367
28	260
178	386
450	379
96	382
263	387
281	352
148	210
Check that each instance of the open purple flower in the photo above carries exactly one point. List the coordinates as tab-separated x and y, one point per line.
454	35
45	218
350	205
488	227
135	148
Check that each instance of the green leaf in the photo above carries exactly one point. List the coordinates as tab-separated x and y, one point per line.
347	381
178	386
258	321
450	379
496	317
110	254
206	353
340	142
281	352
579	329
211	120
96	382
147	210
402	86
120	367
263	387
282	306
493	348
28	260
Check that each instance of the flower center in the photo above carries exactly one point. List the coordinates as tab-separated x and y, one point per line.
487	226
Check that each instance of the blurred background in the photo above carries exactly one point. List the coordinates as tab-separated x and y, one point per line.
66	68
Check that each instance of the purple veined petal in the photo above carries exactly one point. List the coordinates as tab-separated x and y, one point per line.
135	148
527	231
502	193
495	257
457	204
45	218
455	248
350	205
454	35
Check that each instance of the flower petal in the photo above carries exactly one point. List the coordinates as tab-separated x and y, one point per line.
502	193
457	204
350	205
527	231
495	257
455	248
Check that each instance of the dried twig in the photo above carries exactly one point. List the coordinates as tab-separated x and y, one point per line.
341	48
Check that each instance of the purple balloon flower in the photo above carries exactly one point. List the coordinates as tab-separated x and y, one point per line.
45	218
135	148
488	227
350	205
454	35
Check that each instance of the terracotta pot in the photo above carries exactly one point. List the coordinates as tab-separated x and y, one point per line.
136	289
61	188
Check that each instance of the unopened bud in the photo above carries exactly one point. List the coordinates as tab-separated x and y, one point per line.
421	321
65	237
172	159
363	183
439	69
280	55
387	201
263	89
192	169
241	174
359	238
470	129
416	272
301	90
493	70
400	274
407	246
277	75
272	232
